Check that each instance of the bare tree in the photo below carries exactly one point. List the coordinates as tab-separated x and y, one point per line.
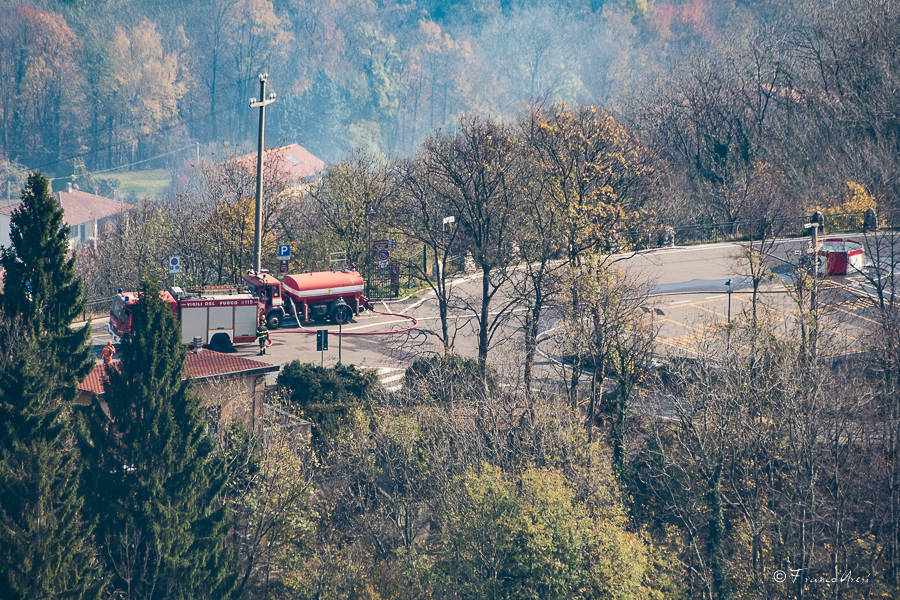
599	177
350	200
417	212
475	176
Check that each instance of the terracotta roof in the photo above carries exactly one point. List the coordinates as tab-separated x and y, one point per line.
210	363
80	207
293	160
205	365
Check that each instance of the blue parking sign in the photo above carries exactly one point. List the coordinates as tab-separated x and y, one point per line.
284	251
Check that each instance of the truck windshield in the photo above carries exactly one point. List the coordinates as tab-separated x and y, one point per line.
116	311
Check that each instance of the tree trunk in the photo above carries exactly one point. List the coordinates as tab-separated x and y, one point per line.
716	534
532	317
483	326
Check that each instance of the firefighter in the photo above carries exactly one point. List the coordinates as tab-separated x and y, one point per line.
262	336
107	353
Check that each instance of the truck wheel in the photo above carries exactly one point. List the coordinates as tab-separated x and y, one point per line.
273	319
221	342
342	314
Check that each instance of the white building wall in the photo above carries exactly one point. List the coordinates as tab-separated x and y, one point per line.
4	230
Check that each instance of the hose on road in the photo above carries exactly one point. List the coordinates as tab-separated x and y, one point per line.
415	322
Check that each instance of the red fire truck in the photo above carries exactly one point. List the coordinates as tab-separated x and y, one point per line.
218	319
226	314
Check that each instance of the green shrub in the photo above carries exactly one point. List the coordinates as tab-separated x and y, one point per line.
325	396
440	378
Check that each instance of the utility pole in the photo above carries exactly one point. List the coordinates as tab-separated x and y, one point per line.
260	103
813	229
728	341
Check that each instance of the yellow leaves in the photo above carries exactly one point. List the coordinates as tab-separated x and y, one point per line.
144	79
858	198
848	213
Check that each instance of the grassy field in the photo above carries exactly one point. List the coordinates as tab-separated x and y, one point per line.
151	182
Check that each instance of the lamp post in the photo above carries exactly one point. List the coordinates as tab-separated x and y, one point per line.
261	104
728	285
444	223
728	327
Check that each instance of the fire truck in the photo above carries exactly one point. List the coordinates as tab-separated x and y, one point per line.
227	314
215	316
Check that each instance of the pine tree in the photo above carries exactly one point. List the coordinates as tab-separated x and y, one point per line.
155	480
40	285
46	546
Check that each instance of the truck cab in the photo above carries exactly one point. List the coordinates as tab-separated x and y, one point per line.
120	312
268	290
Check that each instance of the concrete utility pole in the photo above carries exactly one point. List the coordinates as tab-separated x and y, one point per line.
813	229
261	103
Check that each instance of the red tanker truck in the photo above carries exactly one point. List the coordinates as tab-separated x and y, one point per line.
334	295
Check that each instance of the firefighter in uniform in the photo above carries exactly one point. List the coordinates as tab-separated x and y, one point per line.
107	353
262	336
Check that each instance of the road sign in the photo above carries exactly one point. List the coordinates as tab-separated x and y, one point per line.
321	340
383	255
282	266
379	245
174	264
284	251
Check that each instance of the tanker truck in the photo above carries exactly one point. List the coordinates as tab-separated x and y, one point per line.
335	295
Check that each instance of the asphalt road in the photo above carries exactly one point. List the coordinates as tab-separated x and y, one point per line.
688	297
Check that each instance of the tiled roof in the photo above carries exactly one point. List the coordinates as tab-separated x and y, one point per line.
208	363
81	207
295	161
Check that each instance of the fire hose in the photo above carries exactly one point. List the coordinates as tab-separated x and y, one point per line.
415	322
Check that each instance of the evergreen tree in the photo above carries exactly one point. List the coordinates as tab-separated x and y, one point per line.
40	288
154	480
46	546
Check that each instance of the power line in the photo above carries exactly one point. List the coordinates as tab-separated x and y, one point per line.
137	162
178	123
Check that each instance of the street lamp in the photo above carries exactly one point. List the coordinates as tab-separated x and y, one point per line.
728	285
447	221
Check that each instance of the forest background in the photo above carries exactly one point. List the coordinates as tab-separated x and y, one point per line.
807	87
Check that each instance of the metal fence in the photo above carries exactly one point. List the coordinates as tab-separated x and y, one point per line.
396	278
393	278
96	307
754	229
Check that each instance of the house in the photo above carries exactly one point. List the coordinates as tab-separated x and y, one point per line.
231	387
84	213
293	162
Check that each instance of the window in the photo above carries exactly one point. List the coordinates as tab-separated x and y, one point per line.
117	306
